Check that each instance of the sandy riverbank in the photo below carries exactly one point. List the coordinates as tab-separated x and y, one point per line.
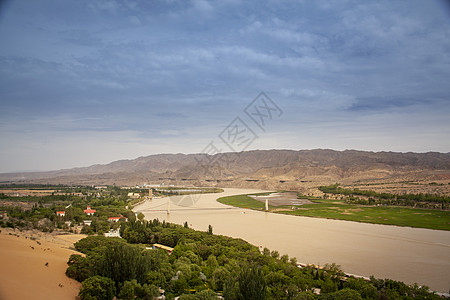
24	273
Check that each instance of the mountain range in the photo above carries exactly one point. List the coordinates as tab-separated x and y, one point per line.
281	169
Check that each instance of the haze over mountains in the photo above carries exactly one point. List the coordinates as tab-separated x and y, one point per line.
286	169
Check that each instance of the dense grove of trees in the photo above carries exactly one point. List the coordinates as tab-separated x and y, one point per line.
203	265
419	200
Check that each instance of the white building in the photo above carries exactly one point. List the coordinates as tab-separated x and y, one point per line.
112	233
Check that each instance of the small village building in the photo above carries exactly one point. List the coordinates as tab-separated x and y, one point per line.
134	195
112	233
101	187
87	222
159	246
60	213
89	211
117	219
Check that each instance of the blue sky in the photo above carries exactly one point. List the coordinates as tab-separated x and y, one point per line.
85	82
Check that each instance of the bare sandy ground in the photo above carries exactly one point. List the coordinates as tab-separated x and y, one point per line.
401	253
23	270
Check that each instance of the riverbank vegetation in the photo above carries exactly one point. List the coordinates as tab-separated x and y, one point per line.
204	266
369	197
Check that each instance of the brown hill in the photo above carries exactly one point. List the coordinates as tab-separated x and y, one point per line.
287	169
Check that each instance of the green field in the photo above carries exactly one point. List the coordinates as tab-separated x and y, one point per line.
243	201
334	209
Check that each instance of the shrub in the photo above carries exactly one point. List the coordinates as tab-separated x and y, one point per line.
97	288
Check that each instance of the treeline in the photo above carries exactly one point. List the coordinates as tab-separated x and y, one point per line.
33	186
181	191
38	199
203	266
410	199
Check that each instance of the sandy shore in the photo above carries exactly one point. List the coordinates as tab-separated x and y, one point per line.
24	273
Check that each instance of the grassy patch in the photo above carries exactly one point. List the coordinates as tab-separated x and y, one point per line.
243	201
400	216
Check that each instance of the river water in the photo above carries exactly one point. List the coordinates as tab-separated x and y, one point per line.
412	255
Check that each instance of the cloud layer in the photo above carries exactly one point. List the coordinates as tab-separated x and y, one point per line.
85	82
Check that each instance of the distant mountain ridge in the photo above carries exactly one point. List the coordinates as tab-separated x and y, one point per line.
258	168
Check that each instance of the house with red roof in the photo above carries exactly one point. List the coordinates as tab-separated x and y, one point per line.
117	219
89	211
60	213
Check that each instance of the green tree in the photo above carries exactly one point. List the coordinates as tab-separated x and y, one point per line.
293	261
210	229
203	295
333	270
251	284
220	277
97	288
79	268
366	289
305	296
146	291
345	294
156	277
284	258
127	291
122	262
277	283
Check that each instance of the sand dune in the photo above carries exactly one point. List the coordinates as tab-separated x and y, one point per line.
30	270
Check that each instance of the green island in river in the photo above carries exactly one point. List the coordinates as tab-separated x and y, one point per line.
353	209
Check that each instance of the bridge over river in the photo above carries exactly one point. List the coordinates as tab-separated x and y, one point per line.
401	253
